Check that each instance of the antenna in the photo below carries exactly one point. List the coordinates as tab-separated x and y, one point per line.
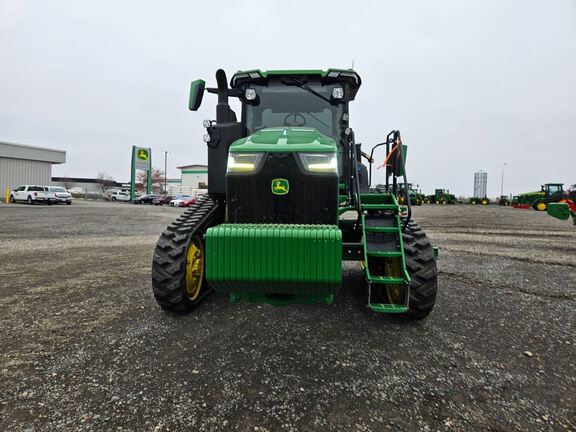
352	63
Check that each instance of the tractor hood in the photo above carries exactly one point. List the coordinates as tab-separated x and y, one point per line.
533	194
285	139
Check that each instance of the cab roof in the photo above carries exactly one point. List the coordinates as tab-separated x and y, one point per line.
329	76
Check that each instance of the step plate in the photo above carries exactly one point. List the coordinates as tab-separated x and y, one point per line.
388	308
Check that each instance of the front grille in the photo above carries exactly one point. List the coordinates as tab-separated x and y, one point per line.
312	198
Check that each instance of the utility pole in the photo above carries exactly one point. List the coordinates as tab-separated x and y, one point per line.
165	172
502	182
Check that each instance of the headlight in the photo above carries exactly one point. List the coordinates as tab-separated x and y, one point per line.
337	92
243	162
250	94
320	162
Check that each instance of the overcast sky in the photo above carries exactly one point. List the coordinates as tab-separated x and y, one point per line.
471	84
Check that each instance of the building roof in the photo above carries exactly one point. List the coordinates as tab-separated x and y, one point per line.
20	151
85	180
193	166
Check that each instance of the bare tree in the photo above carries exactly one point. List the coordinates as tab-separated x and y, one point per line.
157	179
105	181
66	182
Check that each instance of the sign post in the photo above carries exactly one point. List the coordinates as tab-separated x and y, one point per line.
141	160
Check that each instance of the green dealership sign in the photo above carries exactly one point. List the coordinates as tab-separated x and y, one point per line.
141	160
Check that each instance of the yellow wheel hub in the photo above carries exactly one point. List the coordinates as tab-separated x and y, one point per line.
541	206
393	268
194	267
394	293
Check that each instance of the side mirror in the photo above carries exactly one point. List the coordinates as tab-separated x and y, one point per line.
196	94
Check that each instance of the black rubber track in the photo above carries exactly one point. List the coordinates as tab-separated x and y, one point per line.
421	266
169	261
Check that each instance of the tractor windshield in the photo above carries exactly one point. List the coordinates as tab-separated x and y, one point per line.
289	105
554	188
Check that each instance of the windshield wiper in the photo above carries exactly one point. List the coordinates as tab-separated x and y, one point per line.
310	90
317	119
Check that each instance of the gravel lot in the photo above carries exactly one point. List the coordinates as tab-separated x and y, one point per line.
84	346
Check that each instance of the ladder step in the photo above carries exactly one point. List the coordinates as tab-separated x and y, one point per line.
387	280
379	207
384	254
378	229
388	308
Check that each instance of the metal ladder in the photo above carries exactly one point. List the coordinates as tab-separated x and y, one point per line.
384	259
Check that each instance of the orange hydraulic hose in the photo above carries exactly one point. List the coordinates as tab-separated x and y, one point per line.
389	155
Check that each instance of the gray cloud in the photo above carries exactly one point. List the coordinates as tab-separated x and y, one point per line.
471	85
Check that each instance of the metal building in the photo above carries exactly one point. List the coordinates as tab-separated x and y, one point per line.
194	176
480	184
22	164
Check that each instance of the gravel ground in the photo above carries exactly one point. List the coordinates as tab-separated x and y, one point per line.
84	346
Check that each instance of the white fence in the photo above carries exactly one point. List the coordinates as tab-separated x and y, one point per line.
185	190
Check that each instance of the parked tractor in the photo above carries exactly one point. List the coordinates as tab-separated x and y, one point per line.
549	193
416	197
483	201
504	200
441	196
285	204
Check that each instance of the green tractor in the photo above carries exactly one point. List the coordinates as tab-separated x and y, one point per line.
416	197
548	193
285	204
504	201
483	201
441	196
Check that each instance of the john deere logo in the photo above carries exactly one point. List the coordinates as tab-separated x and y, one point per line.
280	186
143	154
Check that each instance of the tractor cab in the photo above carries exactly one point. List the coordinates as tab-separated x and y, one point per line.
297	129
306	110
553	188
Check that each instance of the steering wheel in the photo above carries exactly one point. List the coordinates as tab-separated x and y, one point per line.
295	122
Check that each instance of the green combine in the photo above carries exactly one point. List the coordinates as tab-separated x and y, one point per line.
548	193
286	204
441	196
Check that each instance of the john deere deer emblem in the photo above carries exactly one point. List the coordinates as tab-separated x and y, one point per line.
280	186
143	154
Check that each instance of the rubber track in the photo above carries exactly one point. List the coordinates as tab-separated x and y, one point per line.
169	261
